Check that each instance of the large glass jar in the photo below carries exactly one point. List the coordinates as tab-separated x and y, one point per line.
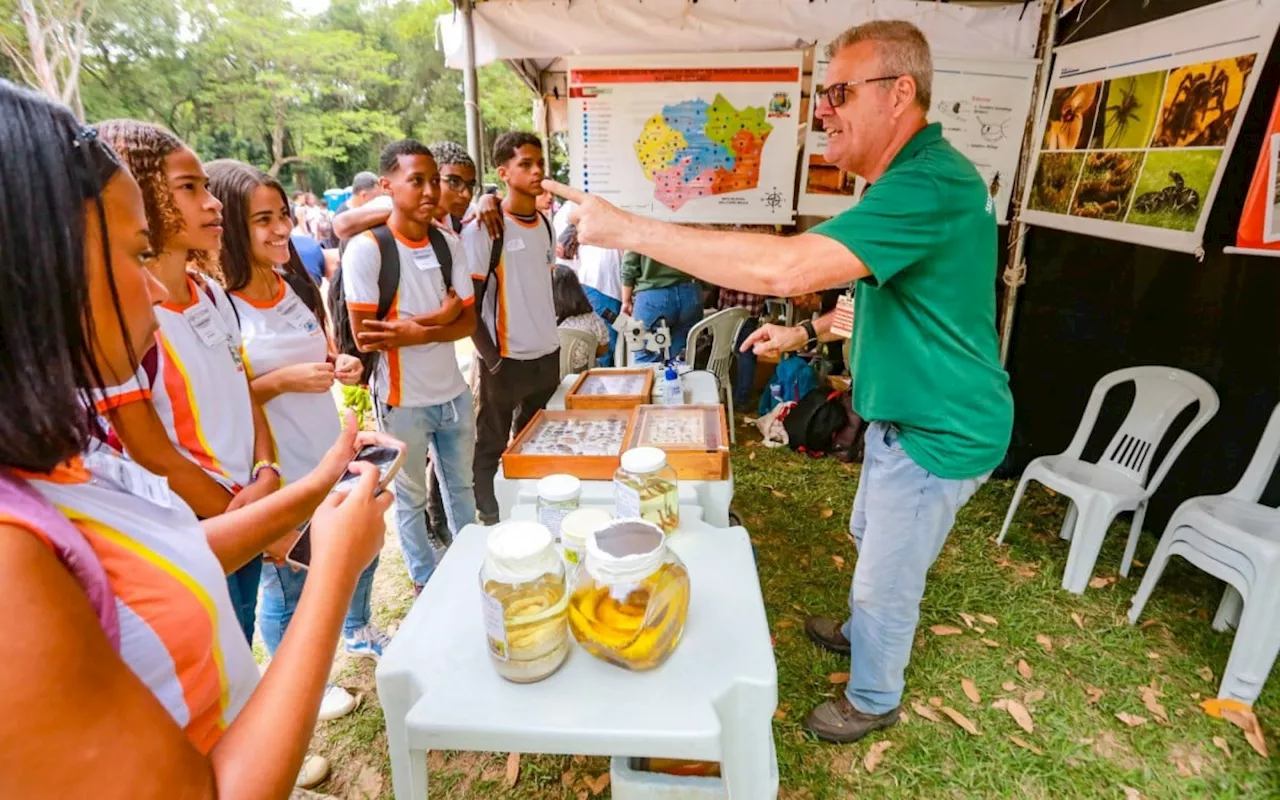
525	602
557	496
631	597
646	487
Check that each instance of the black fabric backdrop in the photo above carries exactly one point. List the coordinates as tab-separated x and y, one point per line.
1090	306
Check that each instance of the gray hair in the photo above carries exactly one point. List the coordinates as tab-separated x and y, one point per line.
451	153
901	48
364	182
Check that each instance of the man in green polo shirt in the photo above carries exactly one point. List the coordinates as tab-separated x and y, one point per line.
926	374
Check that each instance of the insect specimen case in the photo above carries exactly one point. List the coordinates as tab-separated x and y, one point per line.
586	444
611	388
694	437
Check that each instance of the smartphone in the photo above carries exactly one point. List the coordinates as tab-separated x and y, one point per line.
386	459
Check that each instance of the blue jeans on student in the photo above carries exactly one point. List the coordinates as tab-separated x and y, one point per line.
448	430
281	590
599	303
242	585
901	517
680	304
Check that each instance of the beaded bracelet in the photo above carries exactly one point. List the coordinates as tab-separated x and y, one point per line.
261	465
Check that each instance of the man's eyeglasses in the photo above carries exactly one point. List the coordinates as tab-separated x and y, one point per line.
458	184
836	92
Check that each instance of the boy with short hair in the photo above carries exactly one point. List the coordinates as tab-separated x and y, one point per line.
457	183
422	397
516	340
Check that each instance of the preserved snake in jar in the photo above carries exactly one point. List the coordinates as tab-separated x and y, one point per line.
646	487
525	602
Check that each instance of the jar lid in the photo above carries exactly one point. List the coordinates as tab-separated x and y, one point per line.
625	551
578	525
643	459
558	488
517	552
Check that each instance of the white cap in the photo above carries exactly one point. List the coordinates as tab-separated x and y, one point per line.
643	459
578	525
558	488
518	552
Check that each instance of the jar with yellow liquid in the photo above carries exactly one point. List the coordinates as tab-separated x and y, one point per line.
631	597
525	602
645	486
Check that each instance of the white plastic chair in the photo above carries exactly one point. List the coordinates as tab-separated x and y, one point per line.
723	327
1118	482
1233	537
582	341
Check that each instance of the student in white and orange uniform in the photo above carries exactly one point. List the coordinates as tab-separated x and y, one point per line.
190	402
423	399
519	365
126	664
291	372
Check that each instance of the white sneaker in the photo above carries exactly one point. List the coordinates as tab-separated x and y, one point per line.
337	702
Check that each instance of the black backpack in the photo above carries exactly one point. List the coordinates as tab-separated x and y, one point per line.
814	421
388	285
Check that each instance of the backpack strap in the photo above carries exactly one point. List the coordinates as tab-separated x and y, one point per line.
213	298
389	273
22	501
440	246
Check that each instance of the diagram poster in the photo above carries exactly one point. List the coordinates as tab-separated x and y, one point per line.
705	138
1259	227
1138	125
982	106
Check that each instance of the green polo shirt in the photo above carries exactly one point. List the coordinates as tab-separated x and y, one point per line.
925	355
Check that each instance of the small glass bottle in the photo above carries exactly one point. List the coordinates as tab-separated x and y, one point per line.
557	496
525	602
645	487
631	597
575	529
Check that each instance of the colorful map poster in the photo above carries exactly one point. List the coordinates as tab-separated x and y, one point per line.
983	108
1138	125
707	138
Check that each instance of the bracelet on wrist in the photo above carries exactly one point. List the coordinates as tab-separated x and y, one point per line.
263	465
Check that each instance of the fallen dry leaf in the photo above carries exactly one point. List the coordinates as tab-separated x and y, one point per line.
979	629
936	702
990	642
778	494
838	561
968	620
960	719
567	778
827	513
1101	582
970	690
1045	642
1147	623
786	623
1246	721
1221	744
1131	794
598	785
1077	619
751	456
513	769
1027	570
1131	720
1183	770
903	717
1149	695
1025	745
1205	673
1024	669
838	677
926	712
1095	694
369	782
990	620
779	714
874	755
945	630
1153	655
1033	696
1009	686
1018	711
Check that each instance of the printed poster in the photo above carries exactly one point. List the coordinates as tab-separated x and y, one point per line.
983	107
706	138
1259	227
1138	125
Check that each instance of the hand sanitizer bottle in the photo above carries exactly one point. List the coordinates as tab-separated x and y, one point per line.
672	391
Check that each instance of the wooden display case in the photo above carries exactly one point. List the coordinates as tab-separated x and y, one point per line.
585	443
694	437
610	388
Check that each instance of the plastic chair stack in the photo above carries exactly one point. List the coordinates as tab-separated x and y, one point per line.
723	327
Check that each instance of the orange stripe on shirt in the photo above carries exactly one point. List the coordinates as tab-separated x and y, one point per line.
393	357
123	399
186	411
370	308
182	615
500	313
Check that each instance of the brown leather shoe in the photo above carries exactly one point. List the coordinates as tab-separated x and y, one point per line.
839	722
825	633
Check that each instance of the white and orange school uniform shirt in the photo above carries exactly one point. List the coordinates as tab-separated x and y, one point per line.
178	631
517	309
199	389
424	375
279	333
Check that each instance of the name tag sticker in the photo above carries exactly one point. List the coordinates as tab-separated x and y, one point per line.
515	245
842	322
137	482
201	321
424	259
298	315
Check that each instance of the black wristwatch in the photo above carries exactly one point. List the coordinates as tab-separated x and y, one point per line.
809	329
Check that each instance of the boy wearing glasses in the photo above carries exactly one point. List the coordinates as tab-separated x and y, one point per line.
457	183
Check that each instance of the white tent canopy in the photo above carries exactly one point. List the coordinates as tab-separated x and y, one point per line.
542	31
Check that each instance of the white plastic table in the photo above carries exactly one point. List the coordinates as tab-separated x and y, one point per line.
713	699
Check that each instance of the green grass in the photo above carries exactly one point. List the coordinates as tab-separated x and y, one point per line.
1197	168
1088	752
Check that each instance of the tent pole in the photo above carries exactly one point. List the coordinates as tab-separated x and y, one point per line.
475	142
1015	272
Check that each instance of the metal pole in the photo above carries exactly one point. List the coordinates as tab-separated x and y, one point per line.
1015	272
470	90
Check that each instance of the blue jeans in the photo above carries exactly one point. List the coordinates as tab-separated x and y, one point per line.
242	585
901	517
680	304
600	302
448	430
281	590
